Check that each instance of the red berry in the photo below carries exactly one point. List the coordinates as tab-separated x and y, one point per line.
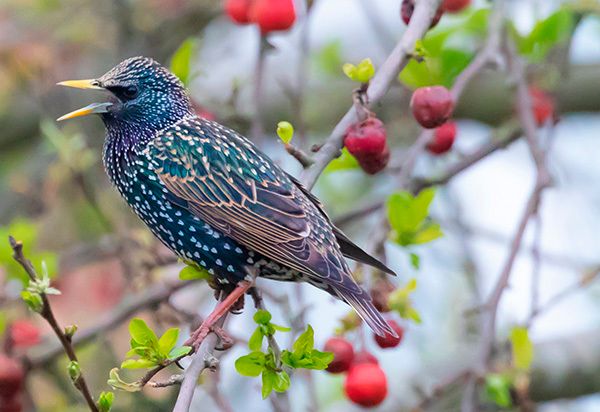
373	164
389	341
24	333
367	141
432	106
11	377
366	138
273	15
364	357
238	10
12	404
366	384
454	6
543	105
408	7
343	354
443	138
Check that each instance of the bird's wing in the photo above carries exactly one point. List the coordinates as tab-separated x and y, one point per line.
223	180
349	249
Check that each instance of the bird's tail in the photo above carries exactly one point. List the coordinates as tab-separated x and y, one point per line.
363	305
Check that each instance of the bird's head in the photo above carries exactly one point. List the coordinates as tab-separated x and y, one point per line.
143	96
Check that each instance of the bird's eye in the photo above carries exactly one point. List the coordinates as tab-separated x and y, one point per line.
130	92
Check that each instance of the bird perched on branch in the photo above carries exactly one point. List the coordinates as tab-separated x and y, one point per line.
214	198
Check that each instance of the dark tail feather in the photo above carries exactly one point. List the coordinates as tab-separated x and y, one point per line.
354	252
363	305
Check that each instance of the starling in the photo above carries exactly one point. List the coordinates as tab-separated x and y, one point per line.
214	198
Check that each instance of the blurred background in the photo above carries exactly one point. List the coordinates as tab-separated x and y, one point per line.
56	198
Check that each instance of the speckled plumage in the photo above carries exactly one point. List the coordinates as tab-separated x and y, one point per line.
213	198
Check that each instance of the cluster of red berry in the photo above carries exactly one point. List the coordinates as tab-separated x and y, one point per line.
269	15
367	142
432	107
366	382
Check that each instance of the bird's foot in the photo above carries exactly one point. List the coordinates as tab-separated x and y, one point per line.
226	341
223	307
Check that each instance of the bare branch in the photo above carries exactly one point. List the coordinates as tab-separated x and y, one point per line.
47	313
201	360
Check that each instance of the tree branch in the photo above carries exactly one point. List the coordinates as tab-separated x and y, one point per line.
381	82
151	297
47	313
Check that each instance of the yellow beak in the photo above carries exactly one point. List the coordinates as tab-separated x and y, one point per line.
93	108
81	84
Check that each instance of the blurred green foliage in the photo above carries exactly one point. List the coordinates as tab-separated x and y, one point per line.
24	230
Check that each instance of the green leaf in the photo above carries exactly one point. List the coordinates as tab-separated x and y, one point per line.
255	341
251	365
181	62
430	232
142	334
262	317
137	364
282	382
191	272
305	341
445	52
280	328
285	131
345	162
329	58
522	348
74	370
415	261
399	301
546	34
168	341
33	301
408	219
105	401
179	352
116	382
3	323
361	73
320	360
268	380
497	389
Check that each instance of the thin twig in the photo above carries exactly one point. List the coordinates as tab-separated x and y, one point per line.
47	313
153	296
172	381
379	85
300	155
543	180
201	360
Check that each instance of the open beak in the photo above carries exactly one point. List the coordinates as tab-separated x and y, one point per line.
93	108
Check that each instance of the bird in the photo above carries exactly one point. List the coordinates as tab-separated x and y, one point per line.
212	197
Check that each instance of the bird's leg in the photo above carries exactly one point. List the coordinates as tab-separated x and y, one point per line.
221	309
